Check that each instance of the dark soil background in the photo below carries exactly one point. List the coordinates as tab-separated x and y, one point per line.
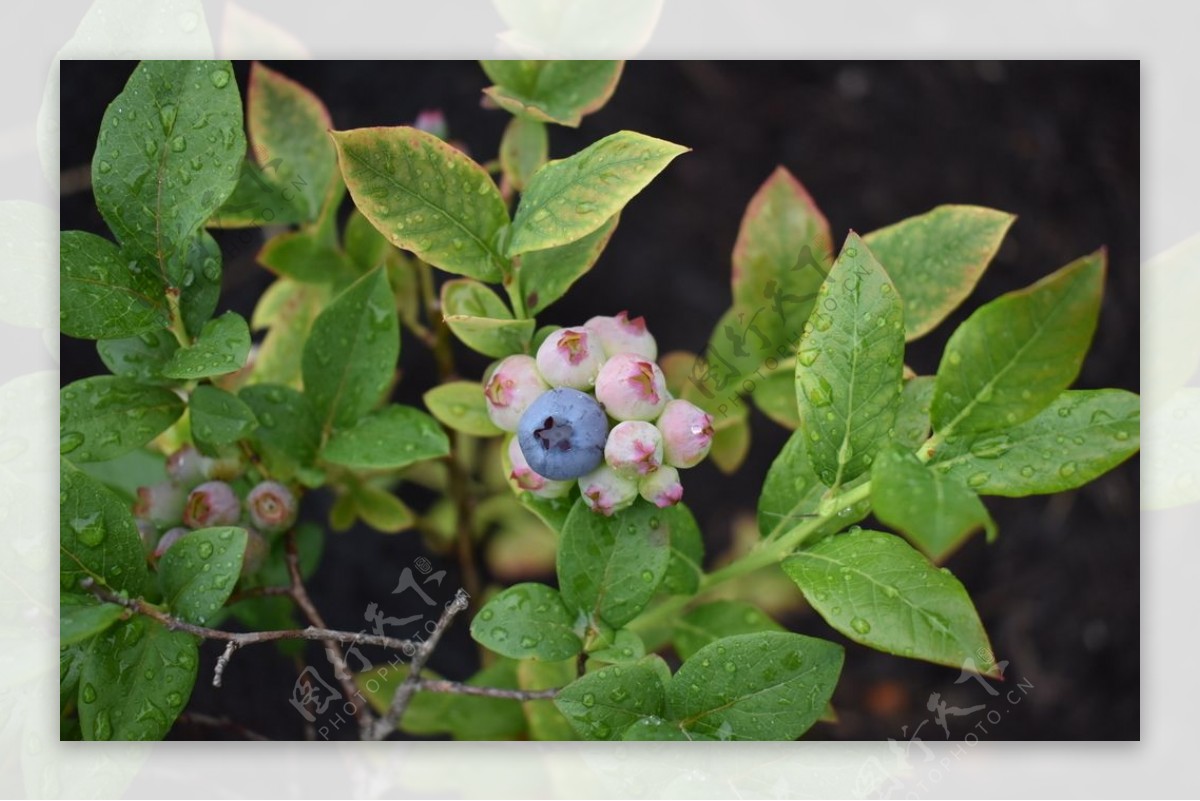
1056	143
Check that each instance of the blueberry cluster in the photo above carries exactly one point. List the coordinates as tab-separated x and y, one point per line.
593	407
200	493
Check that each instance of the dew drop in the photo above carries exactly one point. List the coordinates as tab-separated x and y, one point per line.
205	550
167	115
104	167
808	356
978	479
69	441
1067	470
860	625
219	78
88	694
588	700
1027	471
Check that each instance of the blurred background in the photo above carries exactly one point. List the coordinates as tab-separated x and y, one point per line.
1055	143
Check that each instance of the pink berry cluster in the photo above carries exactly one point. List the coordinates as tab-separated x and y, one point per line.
651	435
200	493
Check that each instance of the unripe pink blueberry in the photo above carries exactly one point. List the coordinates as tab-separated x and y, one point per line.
170	538
272	507
606	492
161	504
622	335
571	357
187	467
631	387
687	433
634	448
255	553
524	478
662	487
514	385
213	503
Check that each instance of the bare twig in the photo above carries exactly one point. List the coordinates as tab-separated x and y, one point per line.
201	719
243	639
332	649
404	693
458	688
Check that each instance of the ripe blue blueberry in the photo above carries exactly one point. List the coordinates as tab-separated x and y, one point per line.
562	434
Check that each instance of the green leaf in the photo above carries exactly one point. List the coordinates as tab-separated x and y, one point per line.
731	444
365	246
610	567
97	536
170	151
655	728
198	274
878	591
936	512
472	718
381	510
685	568
288	126
935	259
219	418
603	704
105	416
81	617
912	415
391	438
545	721
222	348
288	308
524	149
350	356
1080	436
425	196
288	433
849	364
199	571
103	294
479	318
772	685
775	396
781	256
258	200
527	621
307	256
713	621
460	405
626	646
140	358
544	276
552	91
568	199
138	468
136	680
1012	357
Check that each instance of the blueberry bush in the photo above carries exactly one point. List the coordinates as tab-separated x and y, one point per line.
188	474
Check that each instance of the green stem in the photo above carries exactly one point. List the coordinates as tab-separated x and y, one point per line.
766	552
177	326
514	296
